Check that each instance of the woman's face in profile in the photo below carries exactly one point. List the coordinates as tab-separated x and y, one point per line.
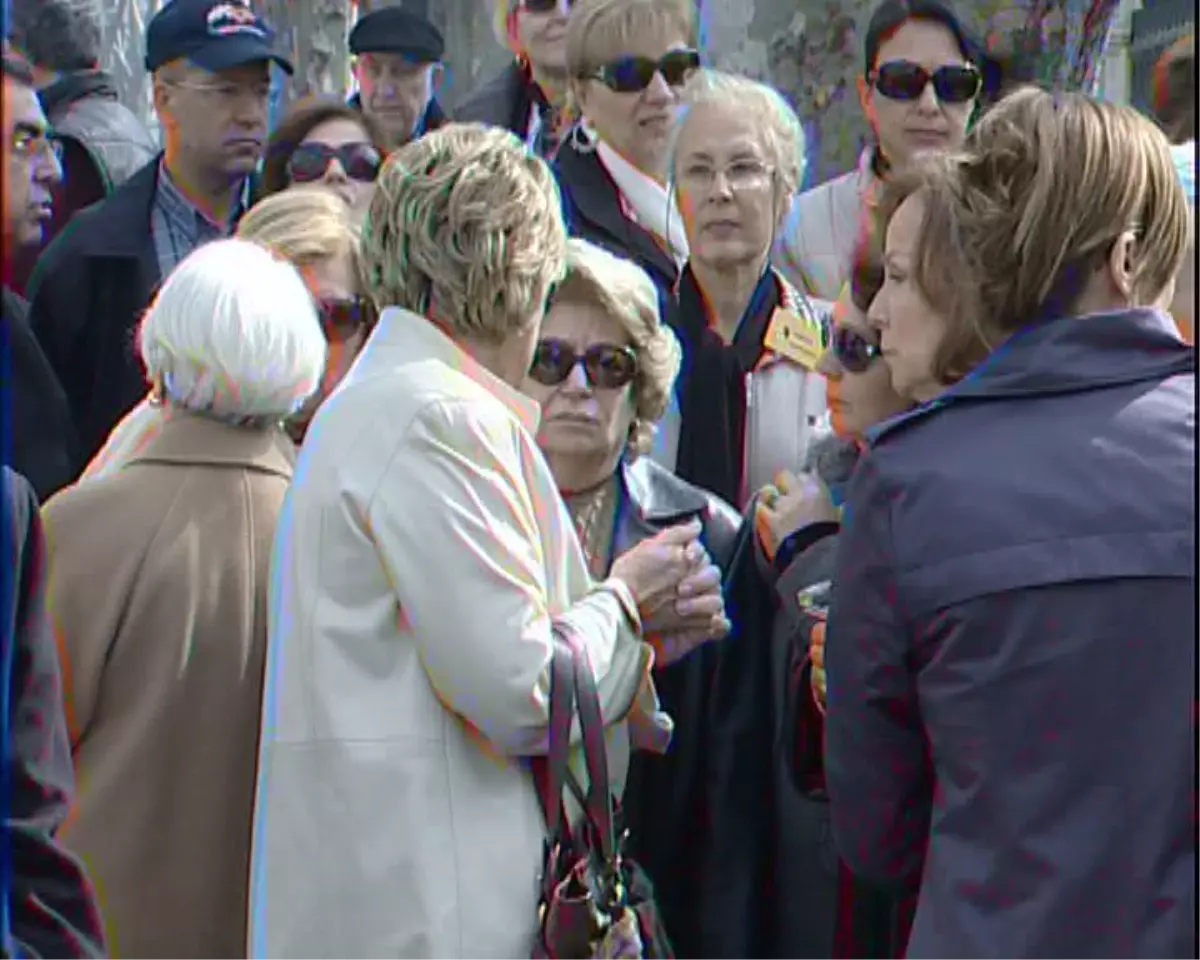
910	330
858	384
338	155
334	286
725	186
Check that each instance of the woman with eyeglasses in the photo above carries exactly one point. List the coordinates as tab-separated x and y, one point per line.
529	96
627	60
603	371
919	90
328	143
747	408
314	231
860	920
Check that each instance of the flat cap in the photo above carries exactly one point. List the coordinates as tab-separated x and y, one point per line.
395	30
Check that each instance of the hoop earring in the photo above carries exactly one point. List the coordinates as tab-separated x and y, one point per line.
583	137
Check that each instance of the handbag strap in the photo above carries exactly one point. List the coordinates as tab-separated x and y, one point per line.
599	808
550	776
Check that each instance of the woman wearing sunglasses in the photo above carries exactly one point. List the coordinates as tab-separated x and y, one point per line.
858	920
627	61
528	97
603	372
918	91
328	143
311	229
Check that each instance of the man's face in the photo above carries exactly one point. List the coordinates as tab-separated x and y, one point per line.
395	92
219	120
31	165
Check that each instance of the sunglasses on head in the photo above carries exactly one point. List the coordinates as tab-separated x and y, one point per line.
341	319
309	161
634	74
854	352
904	80
606	365
543	6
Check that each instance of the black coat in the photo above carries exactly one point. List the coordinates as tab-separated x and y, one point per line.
592	210
51	905
36	436
699	815
503	101
86	297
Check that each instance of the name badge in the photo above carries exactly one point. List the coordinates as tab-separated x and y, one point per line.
790	337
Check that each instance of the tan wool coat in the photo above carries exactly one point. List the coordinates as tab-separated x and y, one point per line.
158	581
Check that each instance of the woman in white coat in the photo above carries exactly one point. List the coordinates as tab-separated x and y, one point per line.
423	558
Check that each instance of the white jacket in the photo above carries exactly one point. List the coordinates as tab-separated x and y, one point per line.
422	553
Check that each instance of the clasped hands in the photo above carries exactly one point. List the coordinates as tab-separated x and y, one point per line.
678	591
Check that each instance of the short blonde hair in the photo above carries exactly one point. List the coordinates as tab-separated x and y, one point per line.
1048	183
625	292
303	225
234	333
601	30
466	223
779	128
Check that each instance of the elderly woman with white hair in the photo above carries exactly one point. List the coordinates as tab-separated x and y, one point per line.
427	563
158	586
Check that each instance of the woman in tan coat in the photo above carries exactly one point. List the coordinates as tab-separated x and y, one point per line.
158	576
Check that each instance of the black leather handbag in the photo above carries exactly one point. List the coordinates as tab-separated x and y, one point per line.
594	902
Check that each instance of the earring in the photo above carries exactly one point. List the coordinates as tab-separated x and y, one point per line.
583	137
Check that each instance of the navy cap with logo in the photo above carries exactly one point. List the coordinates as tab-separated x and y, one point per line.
395	30
215	35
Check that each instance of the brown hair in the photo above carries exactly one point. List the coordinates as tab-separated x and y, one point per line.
301	119
1046	184
1175	90
941	267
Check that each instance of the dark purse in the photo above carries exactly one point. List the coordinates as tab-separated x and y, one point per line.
593	902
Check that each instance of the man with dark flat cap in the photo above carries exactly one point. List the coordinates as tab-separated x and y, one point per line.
210	61
398	68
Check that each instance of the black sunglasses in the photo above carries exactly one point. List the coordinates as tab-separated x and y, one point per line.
904	80
341	319
606	365
543	6
309	161
634	74
854	352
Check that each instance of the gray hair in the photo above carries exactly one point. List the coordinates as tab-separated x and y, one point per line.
234	334
58	35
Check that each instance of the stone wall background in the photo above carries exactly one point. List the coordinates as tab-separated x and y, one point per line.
809	49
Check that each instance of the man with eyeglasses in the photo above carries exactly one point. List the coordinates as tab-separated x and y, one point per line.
398	69
36	437
211	66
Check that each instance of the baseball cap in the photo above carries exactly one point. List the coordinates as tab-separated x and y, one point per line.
213	34
395	30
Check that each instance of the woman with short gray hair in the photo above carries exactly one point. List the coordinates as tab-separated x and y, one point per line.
158	587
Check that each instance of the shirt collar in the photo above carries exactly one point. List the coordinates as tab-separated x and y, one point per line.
178	201
421	339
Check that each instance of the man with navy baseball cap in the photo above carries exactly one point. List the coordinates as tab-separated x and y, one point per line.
211	62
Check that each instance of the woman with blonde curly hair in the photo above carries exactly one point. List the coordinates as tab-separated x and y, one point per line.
426	566
1011	646
603	371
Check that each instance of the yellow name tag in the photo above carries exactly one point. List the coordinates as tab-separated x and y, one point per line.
790	337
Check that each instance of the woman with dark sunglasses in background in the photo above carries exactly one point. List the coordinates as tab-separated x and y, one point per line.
920	86
325	142
529	96
627	61
861	921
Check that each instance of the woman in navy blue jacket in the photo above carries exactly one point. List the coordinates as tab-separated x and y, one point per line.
1011	647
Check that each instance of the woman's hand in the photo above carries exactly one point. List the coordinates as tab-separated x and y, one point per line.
695	617
816	656
790	505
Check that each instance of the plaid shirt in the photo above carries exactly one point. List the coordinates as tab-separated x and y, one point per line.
179	227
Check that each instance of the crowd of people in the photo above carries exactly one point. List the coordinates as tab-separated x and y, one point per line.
868	510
